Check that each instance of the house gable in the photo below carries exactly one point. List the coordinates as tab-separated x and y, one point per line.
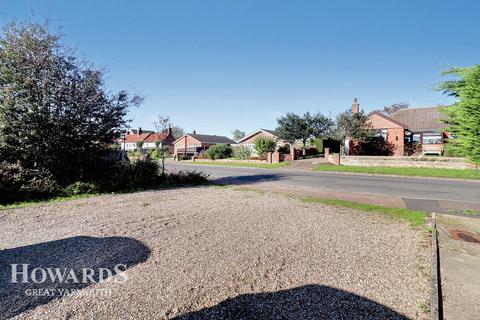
381	121
259	133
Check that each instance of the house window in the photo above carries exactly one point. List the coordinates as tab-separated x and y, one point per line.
416	137
432	138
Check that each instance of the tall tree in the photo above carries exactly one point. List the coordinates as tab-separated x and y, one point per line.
388	110
353	126
161	123
292	127
320	125
463	117
55	112
237	134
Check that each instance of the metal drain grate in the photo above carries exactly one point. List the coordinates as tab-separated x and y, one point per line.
464	235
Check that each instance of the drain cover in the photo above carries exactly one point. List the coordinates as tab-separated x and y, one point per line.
464	236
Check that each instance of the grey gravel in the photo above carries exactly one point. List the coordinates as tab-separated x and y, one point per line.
217	253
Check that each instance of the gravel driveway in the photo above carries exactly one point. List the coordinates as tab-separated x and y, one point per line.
216	253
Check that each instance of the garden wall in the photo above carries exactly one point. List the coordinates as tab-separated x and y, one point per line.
427	162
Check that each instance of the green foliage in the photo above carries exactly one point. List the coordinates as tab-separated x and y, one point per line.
241	152
237	134
80	188
219	151
318	142
292	127
463	117
264	145
19	184
55	112
124	176
354	126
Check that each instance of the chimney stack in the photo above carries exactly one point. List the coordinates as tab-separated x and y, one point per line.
355	106
169	131
194	132
139	130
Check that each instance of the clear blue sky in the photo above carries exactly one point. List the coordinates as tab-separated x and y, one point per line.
215	66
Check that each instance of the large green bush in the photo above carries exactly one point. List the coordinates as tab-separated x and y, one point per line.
264	145
219	151
20	184
124	176
241	152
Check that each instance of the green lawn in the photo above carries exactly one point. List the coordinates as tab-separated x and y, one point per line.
243	164
419	172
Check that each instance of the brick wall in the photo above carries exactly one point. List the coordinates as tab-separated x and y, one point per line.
426	162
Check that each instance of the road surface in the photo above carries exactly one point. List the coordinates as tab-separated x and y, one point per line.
418	193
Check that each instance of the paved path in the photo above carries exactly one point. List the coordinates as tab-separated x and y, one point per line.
429	194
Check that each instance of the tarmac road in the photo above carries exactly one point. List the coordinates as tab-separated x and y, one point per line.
417	193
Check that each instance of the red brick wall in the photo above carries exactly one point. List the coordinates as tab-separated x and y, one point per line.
395	133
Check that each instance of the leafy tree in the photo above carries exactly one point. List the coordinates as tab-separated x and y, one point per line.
55	112
237	134
388	110
177	132
264	145
463	117
293	127
353	126
320	125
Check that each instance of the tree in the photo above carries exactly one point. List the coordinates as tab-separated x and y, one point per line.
293	127
264	145
237	134
55	111
162	123
388	110
320	125
463	117
354	126
177	132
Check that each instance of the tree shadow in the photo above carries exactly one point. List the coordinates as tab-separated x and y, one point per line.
247	179
307	302
77	254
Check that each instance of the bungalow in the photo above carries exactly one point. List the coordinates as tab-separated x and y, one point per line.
191	144
249	140
412	131
148	138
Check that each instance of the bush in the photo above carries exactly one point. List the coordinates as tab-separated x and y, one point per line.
186	178
219	151
241	152
264	145
80	187
318	142
124	176
20	184
284	149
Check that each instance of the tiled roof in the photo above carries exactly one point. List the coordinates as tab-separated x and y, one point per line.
420	119
156	137
206	138
272	132
145	137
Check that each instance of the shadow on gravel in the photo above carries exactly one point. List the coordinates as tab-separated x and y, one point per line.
247	179
307	302
64	267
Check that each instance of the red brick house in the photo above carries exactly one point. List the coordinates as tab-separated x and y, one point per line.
412	131
149	139
192	144
248	141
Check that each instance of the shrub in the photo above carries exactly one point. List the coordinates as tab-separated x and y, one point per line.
241	152
284	149
124	176
219	151
80	187
186	178
20	184
318	142
264	145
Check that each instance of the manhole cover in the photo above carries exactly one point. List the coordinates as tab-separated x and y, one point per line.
464	236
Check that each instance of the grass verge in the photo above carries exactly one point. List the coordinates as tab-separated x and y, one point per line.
243	164
412	217
416	172
33	202
416	219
